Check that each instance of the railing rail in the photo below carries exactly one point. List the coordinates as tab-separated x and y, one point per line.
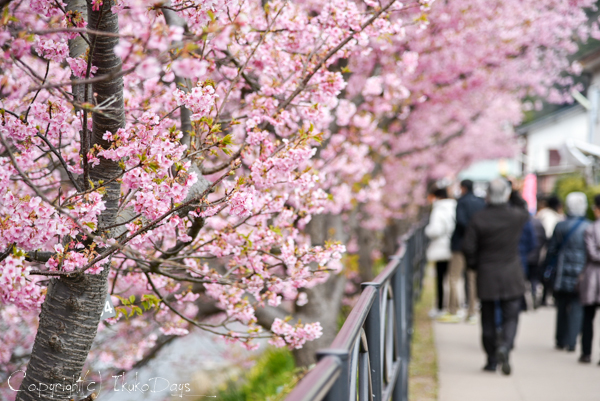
368	359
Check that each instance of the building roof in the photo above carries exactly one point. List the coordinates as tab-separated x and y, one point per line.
551	118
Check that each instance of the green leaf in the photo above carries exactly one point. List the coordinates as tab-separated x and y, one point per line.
18	252
131	299
152	299
153	166
121	311
122	300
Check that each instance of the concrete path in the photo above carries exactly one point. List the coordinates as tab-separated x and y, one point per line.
540	373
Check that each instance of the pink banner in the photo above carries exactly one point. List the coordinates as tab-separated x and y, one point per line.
530	192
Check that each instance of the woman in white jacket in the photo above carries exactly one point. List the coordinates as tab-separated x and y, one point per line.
439	231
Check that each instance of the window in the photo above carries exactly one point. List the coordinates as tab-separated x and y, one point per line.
553	157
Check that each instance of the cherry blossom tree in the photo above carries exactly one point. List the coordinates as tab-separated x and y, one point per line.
204	162
450	99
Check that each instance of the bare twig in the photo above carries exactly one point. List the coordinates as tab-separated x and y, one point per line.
38	92
60	158
224	165
243	67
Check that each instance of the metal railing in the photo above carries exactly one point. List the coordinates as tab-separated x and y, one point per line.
368	359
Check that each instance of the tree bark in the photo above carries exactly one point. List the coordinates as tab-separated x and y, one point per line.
367	242
72	308
173	19
324	300
77	45
324	304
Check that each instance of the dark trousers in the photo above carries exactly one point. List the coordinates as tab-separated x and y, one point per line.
467	287
569	314
510	319
587	329
441	267
547	293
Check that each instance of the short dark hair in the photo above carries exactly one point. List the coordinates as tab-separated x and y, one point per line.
440	193
597	200
553	202
467	184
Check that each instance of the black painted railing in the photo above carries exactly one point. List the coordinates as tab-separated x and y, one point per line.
368	360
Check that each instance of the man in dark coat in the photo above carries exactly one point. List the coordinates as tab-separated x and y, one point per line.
467	205
491	246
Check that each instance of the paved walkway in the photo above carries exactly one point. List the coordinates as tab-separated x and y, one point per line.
540	373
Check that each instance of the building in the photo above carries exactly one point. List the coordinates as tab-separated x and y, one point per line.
566	140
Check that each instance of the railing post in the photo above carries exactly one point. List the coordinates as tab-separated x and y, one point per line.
340	390
411	253
396	282
400	283
361	358
373	332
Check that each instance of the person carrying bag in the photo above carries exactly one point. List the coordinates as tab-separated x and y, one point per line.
552	263
566	260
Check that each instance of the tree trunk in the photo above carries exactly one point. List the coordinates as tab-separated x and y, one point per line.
391	235
324	300
77	45
173	19
72	308
367	241
324	304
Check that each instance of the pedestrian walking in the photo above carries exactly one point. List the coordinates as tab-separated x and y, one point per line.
535	259
565	261
466	206
490	246
527	242
439	231
589	284
549	215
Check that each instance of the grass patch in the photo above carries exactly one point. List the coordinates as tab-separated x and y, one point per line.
272	377
423	378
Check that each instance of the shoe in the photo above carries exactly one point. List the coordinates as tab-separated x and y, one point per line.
571	349
448	318
502	355
585	359
490	367
434	313
471	320
559	347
